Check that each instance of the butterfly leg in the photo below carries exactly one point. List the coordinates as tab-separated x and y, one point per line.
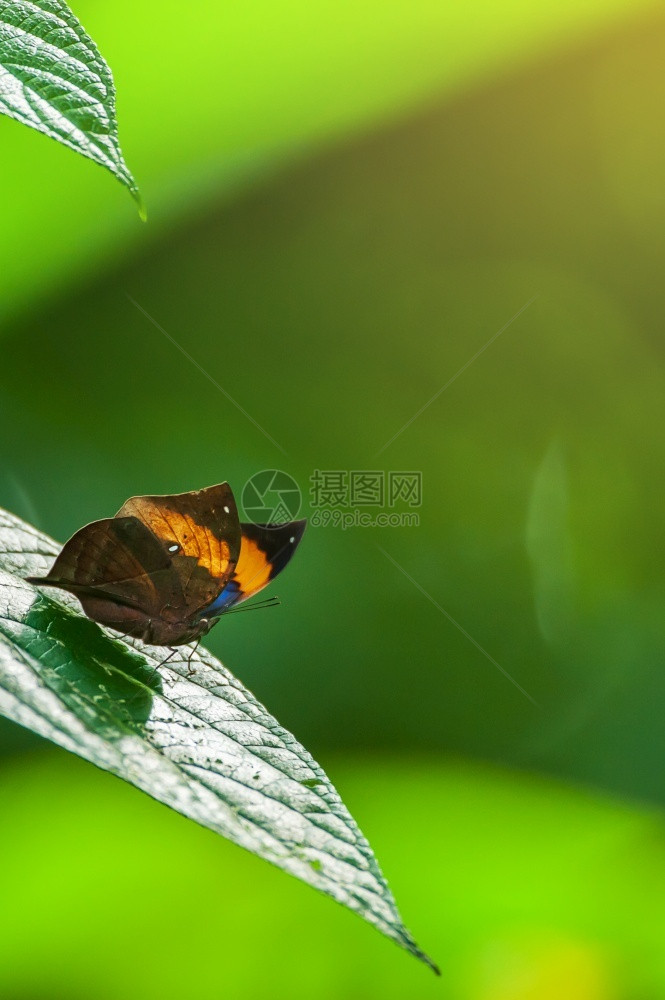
155	670
148	682
195	646
174	650
123	635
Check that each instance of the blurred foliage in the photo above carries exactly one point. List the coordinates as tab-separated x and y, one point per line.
523	889
209	99
333	298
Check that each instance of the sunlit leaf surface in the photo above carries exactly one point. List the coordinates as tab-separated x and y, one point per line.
187	733
53	79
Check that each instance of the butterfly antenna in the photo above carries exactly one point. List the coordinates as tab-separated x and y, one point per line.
268	602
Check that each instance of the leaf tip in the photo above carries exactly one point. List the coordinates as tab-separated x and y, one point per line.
430	963
407	942
140	204
434	967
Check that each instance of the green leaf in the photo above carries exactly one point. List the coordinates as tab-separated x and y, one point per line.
187	733
53	79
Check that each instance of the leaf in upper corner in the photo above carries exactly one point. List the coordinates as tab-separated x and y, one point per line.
53	78
189	734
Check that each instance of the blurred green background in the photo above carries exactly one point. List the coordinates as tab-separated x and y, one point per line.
347	202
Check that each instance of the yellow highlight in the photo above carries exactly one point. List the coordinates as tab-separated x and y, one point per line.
542	968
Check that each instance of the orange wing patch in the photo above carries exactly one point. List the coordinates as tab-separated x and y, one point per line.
254	570
264	552
200	525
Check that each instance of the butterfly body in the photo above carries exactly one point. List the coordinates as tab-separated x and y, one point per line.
165	568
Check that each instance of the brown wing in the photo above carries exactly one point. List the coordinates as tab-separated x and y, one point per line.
119	559
200	532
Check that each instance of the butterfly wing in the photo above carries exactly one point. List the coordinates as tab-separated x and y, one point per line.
118	570
264	552
164	564
200	534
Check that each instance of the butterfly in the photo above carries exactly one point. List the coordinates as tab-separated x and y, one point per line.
165	568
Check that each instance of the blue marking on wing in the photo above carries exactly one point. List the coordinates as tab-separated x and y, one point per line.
228	596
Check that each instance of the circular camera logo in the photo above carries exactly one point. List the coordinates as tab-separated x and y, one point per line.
271	497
